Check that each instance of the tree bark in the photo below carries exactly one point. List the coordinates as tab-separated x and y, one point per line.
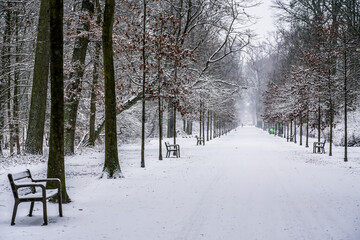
6	71
170	127
301	129
111	165
160	128
92	135
56	165
36	124
307	129
295	130
16	88
174	133
143	87
73	90
208	126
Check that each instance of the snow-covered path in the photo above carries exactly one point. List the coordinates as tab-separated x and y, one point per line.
246	185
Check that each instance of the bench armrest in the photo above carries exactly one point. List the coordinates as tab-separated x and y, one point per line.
47	180
23	185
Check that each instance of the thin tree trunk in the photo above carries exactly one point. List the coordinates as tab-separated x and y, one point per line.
6	71
319	122
295	130
56	165
10	117
331	128
160	128
92	135
16	88
211	124
307	129
203	123
208	126
200	122
143	87
345	105
74	88
174	124
36	123
301	129
170	128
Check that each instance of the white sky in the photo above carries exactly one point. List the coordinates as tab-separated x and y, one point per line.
265	22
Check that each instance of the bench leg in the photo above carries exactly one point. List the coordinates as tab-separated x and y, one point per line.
60	204
31	208
14	212
45	212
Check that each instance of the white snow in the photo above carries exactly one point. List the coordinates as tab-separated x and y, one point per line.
245	185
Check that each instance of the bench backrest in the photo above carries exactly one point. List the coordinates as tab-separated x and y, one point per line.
19	176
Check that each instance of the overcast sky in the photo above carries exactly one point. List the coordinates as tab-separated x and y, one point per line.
265	22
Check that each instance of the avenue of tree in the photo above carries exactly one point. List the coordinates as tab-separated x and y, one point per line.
102	59
312	69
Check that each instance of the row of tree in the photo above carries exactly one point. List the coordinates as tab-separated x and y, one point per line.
105	57
316	72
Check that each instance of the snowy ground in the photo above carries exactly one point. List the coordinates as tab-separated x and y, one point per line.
243	186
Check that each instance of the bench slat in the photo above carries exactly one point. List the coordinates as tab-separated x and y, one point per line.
20	175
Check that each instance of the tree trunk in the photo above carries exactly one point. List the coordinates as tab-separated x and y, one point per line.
16	88
73	90
160	128
111	165
301	129
188	127
174	133
345	105
56	165
170	127
203	123
307	129
295	130
92	135
287	131
200	121
319	122
211	124
208	126
10	117
143	87
331	128
36	124
6	71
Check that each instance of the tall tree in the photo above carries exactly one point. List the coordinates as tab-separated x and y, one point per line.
111	166
73	90
56	165
36	124
143	117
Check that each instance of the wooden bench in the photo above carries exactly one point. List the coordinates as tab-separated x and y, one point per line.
172	148
290	138
319	146
199	140
31	190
